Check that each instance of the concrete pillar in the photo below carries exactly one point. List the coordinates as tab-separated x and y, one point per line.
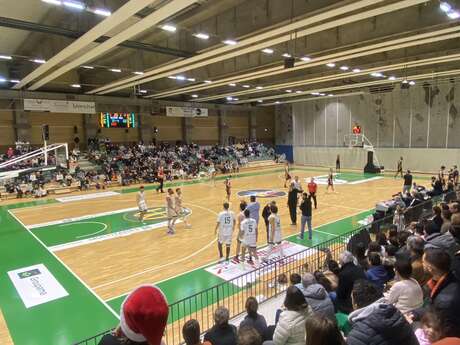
145	128
22	126
90	124
223	127
187	128
253	125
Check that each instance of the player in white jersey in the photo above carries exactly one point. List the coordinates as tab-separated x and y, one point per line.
240	217
274	233
179	209
141	204
212	173
170	212
226	226
249	229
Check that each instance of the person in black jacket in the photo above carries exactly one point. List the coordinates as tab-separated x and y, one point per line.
222	333
266	213
292	203
374	321
444	291
349	273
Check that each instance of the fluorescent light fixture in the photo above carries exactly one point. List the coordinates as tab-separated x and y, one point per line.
232	84
298	91
207	81
74	4
229	98
191	79
169	28
322	94
139	73
356	70
195	96
315	93
235	99
201	35
116	70
391	77
330	95
230	42
180	77
143	91
412	82
87	67
246	86
76	86
40	61
15	81
172	77
260	101
445	7
5	57
277	102
453	14
330	64
286	55
305	58
377	74
268	51
289	91
405	81
344	68
102	12
2	80
259	87
53	2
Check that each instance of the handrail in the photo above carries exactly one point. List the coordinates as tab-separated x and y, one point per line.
34	153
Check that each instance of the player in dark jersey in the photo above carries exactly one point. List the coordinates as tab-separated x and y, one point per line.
287	176
228	188
399	168
330	181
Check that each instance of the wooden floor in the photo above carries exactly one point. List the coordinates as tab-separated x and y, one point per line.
113	267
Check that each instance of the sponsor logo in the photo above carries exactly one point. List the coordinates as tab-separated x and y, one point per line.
27	274
261	193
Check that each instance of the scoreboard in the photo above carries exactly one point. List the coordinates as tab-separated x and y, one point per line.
118	120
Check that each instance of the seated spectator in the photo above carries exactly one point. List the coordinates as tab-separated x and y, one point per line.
377	273
375	247
402	240
249	336
295	278
316	296
434	239
437	217
431	329
448	341
222	333
455	231
446	218
444	291
349	273
322	331
332	274
253	319
360	255
406	294
290	329
191	333
143	320
415	245
375	322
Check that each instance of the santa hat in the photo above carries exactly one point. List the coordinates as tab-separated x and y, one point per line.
144	314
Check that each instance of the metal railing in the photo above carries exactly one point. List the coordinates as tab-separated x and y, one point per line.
262	282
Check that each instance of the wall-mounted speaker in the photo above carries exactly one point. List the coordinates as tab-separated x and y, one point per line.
289	62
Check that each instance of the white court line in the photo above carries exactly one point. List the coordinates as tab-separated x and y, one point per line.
367	180
104	226
346	207
67	267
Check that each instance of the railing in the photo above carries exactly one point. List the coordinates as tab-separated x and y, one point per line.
263	281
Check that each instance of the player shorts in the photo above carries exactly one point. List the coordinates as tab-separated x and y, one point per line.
225	239
142	207
171	214
250	244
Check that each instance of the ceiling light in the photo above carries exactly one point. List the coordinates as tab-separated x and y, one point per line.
5	57
445	7
230	42
377	74
260	101
330	95
15	81
143	91
344	68
191	79
259	87
87	67
412	82
305	58
246	86
116	70
76	86
53	2
286	55
268	51
289	91
356	70
232	84
322	94
139	73
315	93
40	61
235	99
229	98
168	27
391	77
330	64
195	96
453	14
201	35
102	12
172	77
74	4
208	81
180	77
277	102
298	91
405	81
2	80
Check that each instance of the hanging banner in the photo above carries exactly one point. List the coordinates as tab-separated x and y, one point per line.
186	112
55	106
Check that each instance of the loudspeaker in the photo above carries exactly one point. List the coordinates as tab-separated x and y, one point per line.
370	167
289	62
75	129
46	132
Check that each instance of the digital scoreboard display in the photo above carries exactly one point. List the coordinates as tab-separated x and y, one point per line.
118	120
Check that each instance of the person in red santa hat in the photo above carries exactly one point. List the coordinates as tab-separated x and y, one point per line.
143	318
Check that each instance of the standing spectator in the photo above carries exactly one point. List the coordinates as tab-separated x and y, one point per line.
191	333
406	294
322	331
312	188
349	273
292	203
253	319
316	296
375	322
290	329
305	208
143	320
222	333
337	164
407	182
